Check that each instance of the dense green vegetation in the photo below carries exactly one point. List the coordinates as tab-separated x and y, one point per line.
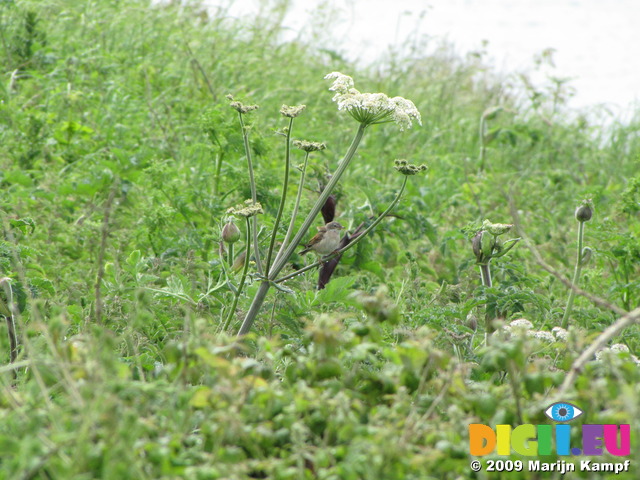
119	157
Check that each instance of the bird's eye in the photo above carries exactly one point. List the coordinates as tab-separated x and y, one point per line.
562	412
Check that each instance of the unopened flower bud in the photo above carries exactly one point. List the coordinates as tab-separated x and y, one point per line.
230	233
482	245
488	243
496	228
584	212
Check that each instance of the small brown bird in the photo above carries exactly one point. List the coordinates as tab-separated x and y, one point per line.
326	240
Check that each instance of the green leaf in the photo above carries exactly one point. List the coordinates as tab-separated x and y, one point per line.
337	290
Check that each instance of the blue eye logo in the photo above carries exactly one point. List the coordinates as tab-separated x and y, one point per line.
562	412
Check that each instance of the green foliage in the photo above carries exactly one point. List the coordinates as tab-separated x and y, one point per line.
119	158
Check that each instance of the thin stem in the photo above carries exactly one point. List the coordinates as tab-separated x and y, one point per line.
513	381
485	272
352	244
576	276
216	180
101	252
294	214
280	262
254	196
483	147
242	279
230	255
600	302
283	197
5	310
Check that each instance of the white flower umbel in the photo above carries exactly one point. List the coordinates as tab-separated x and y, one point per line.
615	350
521	323
542	335
372	108
560	333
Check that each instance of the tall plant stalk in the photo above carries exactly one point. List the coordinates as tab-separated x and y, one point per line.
296	206
487	245
367	109
583	214
242	279
283	197
254	195
281	261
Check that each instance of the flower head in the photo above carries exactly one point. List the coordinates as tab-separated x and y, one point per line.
407	168
239	106
249	209
542	335
372	108
521	323
342	83
560	333
292	111
309	146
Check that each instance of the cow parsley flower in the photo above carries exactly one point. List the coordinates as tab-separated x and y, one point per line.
560	333
521	323
372	108
542	335
292	111
248	209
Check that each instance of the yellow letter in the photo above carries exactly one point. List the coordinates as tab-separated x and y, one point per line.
523	440
504	437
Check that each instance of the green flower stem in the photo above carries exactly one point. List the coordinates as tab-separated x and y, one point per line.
294	214
254	196
230	255
352	244
576	276
242	279
283	197
485	272
216	181
483	146
279	264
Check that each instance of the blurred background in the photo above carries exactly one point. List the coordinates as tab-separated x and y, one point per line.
595	45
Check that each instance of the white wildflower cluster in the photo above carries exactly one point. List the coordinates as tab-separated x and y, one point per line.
372	108
522	325
614	350
560	333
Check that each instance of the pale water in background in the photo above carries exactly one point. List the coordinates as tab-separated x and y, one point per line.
596	42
